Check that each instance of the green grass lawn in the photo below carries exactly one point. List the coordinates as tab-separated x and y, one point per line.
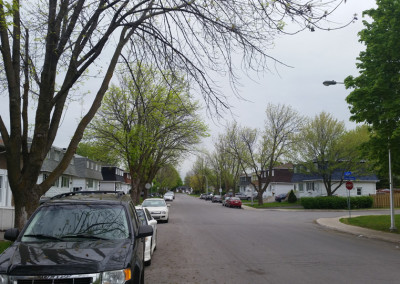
375	222
4	245
272	204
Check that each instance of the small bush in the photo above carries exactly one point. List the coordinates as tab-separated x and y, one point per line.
336	202
292	197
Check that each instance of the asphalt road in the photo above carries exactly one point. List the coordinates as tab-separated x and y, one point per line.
205	242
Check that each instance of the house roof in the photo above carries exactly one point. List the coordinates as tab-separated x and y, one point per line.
337	175
83	171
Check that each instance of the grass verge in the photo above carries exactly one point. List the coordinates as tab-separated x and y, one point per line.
4	245
374	222
282	204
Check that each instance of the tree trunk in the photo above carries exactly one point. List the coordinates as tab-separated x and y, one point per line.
26	202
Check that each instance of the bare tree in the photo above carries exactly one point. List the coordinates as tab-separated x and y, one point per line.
47	48
259	152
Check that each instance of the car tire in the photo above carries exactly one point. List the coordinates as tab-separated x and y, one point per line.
147	263
166	221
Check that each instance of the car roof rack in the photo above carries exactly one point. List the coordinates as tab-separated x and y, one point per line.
83	192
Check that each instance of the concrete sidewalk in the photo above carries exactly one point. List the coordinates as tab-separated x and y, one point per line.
335	224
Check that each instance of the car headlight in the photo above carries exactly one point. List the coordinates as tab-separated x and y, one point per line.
116	276
3	279
163	212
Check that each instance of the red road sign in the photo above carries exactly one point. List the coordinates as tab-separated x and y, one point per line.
349	185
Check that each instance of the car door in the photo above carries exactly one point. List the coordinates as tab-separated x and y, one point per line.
152	222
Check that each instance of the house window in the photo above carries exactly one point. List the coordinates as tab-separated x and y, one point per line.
56	182
56	155
301	187
310	186
89	183
87	164
64	181
359	190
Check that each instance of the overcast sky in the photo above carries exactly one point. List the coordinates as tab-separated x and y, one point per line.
315	57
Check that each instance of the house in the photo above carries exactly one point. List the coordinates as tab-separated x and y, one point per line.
280	181
310	185
81	174
113	179
6	202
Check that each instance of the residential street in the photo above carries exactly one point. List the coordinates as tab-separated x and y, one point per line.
205	242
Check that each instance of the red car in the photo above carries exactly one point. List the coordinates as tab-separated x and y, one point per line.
234	202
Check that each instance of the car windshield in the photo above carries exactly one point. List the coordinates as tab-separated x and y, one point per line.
141	216
154	203
235	198
82	222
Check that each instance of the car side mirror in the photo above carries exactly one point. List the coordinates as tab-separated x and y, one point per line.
168	205
11	234
145	231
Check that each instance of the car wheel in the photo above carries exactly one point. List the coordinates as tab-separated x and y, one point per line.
166	221
147	263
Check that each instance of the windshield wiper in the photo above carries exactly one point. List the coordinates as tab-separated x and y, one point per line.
42	236
83	236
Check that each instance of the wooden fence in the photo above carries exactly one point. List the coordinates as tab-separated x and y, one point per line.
382	200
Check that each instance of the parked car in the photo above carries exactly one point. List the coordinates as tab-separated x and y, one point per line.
280	197
78	237
242	196
224	200
203	196
169	196
171	193
150	242
209	196
216	198
234	202
157	208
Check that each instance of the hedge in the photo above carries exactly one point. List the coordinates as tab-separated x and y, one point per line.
336	202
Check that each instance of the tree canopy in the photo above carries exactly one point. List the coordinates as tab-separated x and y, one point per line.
375	95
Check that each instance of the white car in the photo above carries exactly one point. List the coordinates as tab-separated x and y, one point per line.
158	208
150	242
169	196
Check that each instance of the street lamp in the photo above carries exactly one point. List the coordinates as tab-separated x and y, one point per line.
331	82
392	220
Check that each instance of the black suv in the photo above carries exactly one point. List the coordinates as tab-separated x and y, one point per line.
78	237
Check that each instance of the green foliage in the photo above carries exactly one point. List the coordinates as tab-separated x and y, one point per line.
375	96
336	202
324	147
97	152
292	197
4	245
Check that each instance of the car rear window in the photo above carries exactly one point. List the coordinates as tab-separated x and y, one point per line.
154	203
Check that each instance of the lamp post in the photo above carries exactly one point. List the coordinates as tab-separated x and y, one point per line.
392	220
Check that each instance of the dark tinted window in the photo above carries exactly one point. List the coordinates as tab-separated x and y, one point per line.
141	216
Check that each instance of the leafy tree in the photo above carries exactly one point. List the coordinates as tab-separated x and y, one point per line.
168	178
49	48
325	148
148	123
375	96
98	153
